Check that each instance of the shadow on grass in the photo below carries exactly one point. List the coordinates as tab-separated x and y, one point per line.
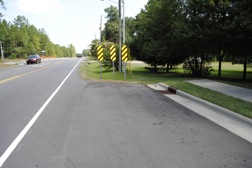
234	78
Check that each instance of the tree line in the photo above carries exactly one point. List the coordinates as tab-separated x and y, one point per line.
20	39
191	32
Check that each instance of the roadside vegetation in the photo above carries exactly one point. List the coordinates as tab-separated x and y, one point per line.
189	32
181	40
19	39
177	78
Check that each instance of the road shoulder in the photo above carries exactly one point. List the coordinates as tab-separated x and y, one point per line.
235	123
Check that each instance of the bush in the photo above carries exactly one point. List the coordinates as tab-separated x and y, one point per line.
197	66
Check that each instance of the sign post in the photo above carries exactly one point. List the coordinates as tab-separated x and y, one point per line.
43	51
113	58
124	59
100	58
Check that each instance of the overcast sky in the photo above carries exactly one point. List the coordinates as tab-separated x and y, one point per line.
68	21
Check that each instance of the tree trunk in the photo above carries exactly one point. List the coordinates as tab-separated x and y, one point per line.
219	70
245	67
220	58
117	66
167	67
155	67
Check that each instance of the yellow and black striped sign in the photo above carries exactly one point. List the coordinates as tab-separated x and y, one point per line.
113	53
100	53
124	53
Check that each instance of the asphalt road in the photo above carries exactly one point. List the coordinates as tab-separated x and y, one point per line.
104	124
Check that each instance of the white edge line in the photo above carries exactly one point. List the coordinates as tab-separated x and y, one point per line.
21	135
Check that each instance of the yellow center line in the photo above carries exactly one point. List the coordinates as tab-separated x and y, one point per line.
21	75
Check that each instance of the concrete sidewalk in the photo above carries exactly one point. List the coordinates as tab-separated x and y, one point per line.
234	122
234	91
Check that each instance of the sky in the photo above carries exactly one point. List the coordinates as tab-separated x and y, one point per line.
67	22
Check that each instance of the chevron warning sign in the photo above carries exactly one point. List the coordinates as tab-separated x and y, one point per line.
124	53
100	53
113	53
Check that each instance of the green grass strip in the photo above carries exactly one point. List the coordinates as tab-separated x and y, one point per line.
175	78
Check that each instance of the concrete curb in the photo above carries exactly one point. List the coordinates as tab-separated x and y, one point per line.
162	85
210	105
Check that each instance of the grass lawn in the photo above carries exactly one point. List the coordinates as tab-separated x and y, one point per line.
176	78
232	74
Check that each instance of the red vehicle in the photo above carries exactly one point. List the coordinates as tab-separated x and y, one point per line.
33	59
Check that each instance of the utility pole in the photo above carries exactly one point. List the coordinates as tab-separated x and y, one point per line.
120	30
120	37
123	22
1	48
101	29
